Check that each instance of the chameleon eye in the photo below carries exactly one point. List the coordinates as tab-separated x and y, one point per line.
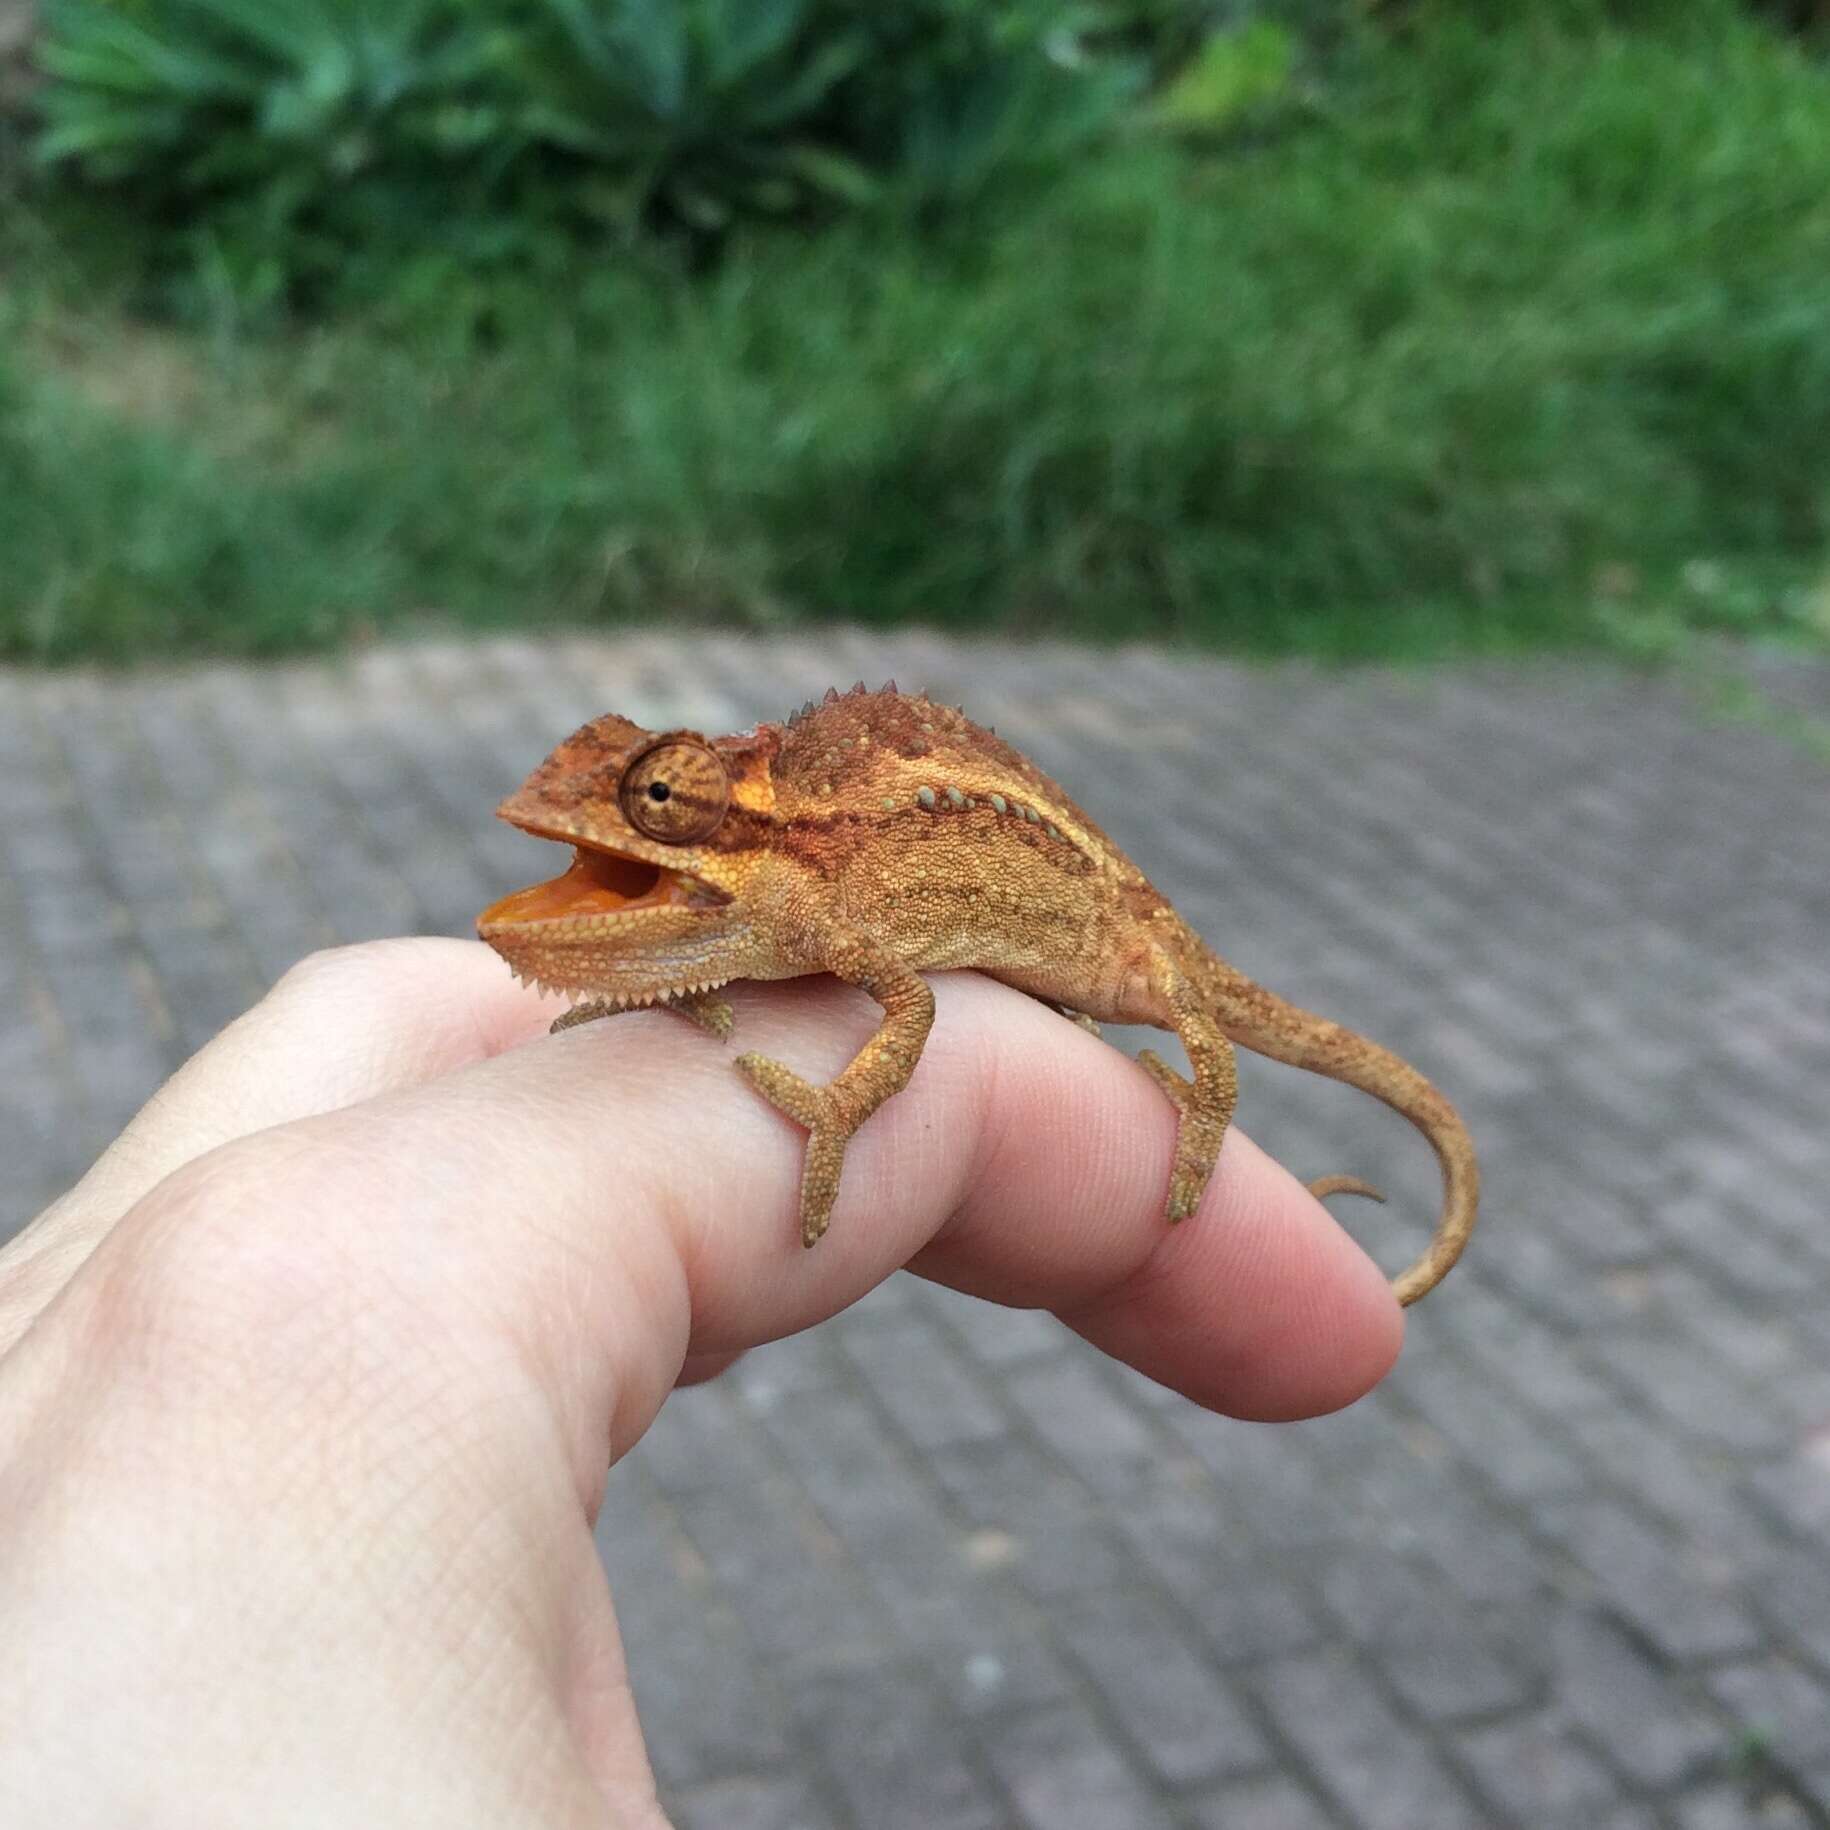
676	792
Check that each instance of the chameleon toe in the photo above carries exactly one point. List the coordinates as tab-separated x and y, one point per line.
784	1089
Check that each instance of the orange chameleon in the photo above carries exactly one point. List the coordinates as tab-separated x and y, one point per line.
876	836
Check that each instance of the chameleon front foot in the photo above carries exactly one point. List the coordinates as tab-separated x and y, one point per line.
580	1013
705	1008
829	1130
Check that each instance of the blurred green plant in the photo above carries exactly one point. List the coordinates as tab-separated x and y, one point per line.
699	110
274	135
285	143
958	94
1235	75
1504	337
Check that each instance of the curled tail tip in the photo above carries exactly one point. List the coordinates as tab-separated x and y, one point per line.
1438	1261
1413	1285
1324	1186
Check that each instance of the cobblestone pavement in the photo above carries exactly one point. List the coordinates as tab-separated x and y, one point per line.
936	1564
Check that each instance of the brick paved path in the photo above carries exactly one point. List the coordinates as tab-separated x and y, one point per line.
937	1564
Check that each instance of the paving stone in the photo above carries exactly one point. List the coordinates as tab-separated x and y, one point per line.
1034	1515
1481	1547
1789	1593
1692	1391
1157	1685
1089	1426
1785	1707
1754	1806
1638	1722
1538	1773
1247	1608
341	866
1263	1804
701	1442
748	1804
924	1382
1541	1366
1430	1644
1796	1490
942	1584
777	1375
1063	1773
1520	1454
1266	1476
1668	1478
1380	1772
995	1335
704	1709
1676	1598
892	1752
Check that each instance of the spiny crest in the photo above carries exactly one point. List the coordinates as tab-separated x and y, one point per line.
834	696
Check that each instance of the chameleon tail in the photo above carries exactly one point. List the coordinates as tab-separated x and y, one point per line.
1324	1186
1261	1021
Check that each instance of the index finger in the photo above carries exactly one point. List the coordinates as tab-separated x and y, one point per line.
620	1200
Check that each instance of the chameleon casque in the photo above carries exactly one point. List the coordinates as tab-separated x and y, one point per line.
876	836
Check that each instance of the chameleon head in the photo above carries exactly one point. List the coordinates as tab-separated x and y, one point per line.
645	910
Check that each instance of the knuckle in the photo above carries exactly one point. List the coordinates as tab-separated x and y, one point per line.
365	968
202	1284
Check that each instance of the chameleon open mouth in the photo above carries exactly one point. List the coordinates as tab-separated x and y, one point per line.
600	883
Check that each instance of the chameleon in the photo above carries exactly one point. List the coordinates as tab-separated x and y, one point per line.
877	836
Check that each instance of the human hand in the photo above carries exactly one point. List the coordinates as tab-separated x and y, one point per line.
308	1390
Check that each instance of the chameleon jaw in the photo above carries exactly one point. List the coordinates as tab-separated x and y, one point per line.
598	890
581	932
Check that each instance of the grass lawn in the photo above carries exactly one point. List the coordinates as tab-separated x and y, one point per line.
1507	339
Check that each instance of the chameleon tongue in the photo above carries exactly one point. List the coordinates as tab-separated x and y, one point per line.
596	884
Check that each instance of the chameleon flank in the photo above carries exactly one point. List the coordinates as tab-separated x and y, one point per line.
876	836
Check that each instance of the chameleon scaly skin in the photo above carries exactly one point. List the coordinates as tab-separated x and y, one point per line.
876	836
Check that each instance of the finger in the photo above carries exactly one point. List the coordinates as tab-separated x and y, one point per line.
342	1026
1049	1153
1309	1320
699	1368
621	1199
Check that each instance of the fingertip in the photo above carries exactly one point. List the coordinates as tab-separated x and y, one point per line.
1259	1306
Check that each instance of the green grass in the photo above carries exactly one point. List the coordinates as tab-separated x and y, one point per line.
1509	339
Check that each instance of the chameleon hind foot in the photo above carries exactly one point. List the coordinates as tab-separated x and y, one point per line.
1199	1133
829	1130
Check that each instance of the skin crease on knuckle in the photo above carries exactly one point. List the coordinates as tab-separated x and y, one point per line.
276	1263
